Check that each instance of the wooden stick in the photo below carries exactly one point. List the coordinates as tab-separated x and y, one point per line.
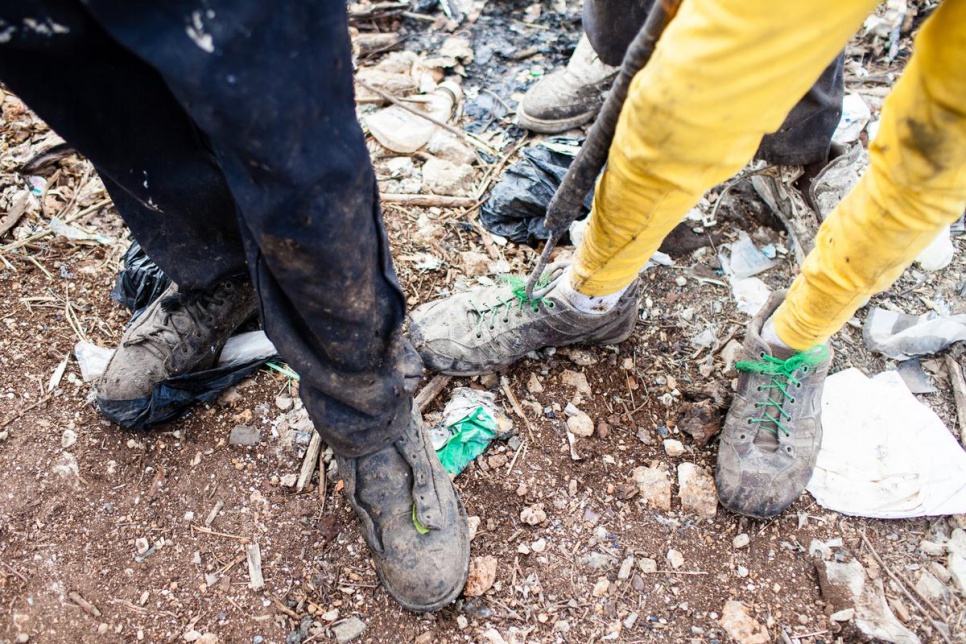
442	201
17	209
518	410
25	410
254	555
430	391
309	462
88	607
959	393
220	534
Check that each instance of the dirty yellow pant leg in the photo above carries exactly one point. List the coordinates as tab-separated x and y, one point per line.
914	186
725	73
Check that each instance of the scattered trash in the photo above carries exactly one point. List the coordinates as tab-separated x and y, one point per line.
847	586
855	116
901	336
744	258
837	179
884	454
912	374
938	254
471	419
750	293
59	227
518	204
402	131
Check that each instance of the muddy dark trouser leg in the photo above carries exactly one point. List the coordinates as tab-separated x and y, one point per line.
270	85
118	112
803	138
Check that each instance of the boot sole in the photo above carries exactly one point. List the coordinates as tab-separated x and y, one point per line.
553	126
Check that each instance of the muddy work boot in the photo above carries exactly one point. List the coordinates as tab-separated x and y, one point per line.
570	97
178	333
486	329
773	430
412	520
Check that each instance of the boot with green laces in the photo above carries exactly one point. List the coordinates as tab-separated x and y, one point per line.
773	431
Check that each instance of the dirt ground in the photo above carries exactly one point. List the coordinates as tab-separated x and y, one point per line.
115	536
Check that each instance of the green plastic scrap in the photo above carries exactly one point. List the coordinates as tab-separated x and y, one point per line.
470	437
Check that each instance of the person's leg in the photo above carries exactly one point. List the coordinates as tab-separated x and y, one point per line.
270	84
164	181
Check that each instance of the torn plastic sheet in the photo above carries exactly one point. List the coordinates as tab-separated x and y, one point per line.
901	336
884	454
242	355
518	204
749	293
471	419
62	228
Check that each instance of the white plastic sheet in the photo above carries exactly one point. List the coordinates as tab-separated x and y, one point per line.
884	454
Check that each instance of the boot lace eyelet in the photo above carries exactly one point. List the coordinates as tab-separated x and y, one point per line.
788	449
742	437
479	335
750	421
550	305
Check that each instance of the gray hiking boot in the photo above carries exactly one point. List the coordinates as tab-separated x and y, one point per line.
569	97
773	430
489	328
177	334
412	520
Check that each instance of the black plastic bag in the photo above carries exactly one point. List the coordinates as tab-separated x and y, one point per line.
138	285
518	204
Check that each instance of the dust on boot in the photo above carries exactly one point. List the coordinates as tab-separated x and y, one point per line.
178	333
773	431
489	328
411	518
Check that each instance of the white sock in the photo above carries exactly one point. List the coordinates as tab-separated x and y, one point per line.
590	304
770	335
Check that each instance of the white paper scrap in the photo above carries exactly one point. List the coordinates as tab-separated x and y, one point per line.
884	454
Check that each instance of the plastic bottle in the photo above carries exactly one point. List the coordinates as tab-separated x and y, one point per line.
404	132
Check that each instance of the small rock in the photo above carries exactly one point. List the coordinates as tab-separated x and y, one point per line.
596	561
522	489
654	486
67	467
956	565
644	436
939	571
4	435
576	380
102	628
489	380
68	439
288	480
482	576
497	461
493	636
901	611
675	558
730	354
580	357
843	615
647	565
244	436
581	425
472	526
742	572
932	548
601	587
742	627
23	638
446	178
284	402
697	490
475	263
930	587
523	549
603	430
673	447
533	515
539	545
625	570
740	541
701	421
681	280
141	546
191	636
533	384
349	630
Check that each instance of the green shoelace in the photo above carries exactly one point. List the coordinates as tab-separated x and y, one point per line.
783	378
517	299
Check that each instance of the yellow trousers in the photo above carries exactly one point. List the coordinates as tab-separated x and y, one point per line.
725	73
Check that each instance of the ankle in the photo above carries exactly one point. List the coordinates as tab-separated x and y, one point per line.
770	335
589	304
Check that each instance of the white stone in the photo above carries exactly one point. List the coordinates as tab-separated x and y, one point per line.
647	565
654	486
349	630
843	615
626	566
675	558
68	439
742	628
581	425
673	447
697	490
740	541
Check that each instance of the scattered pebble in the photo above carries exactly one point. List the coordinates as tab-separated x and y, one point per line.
675	558
576	380
472	526
349	630
932	549
141	545
601	587
581	425
654	486
533	515
742	627
647	565
481	577
539	545
673	447
284	402
625	570
533	385
244	435
843	615
697	490
288	480
742	572
68	439
740	541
